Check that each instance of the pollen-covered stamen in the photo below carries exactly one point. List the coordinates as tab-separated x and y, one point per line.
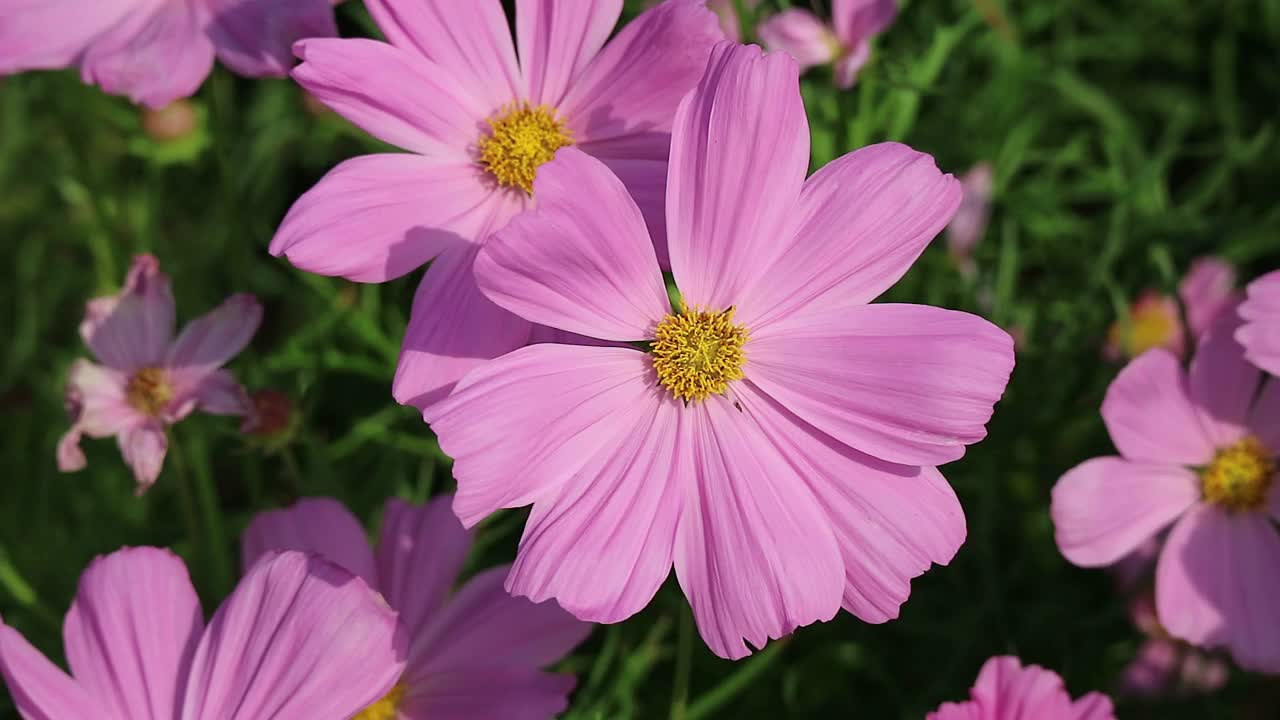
385	709
149	391
697	353
521	139
1239	476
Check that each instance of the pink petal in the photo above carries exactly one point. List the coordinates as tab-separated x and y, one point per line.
862	222
299	639
800	34
509	693
144	447
320	526
453	328
856	21
1260	333
133	328
581	262
908	384
755	552
581	399
218	393
377	217
157	54
846	69
421	550
70	457
646	183
970	221
1217	583
469	40
728	15
1149	413
97	400
1208	288
1264	419
42	34
739	152
1006	689
1106	507
212	339
37	687
1222	383
254	37
132	630
557	39
394	94
1153	670
603	544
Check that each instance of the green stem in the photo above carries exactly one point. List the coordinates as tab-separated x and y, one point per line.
684	662
708	704
211	518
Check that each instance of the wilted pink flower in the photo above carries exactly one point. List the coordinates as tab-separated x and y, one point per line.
1198	452
1154	320
1166	666
479	125
156	51
846	43
1260	333
299	639
475	654
147	379
778	444
270	414
1008	691
970	222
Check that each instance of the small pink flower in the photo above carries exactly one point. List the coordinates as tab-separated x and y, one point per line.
1155	321
846	42
478	124
156	51
1008	691
1164	666
778	445
1198	453
299	639
475	653
970	222
147	379
1260	333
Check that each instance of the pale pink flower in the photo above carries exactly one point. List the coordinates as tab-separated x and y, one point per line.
475	653
148	379
1006	690
845	43
1198	453
970	222
1154	319
1165	666
779	444
156	51
478	124
1260	333
299	639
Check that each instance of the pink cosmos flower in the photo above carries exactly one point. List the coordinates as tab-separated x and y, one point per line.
479	125
778	444
1198	452
156	51
474	655
846	42
299	639
1155	321
1166	666
970	222
147	379
1260	333
1008	691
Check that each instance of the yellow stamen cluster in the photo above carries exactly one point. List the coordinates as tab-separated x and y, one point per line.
1239	476
697	353
522	138
148	391
386	708
1151	325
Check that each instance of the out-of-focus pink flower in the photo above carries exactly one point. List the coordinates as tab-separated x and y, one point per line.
1165	666
730	23
1154	320
778	445
299	639
148	379
846	42
479	124
1197	452
970	222
172	122
1006	690
156	51
476	653
1260	332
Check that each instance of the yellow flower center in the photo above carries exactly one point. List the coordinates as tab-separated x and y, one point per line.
385	709
1239	476
1151	325
521	139
698	353
149	391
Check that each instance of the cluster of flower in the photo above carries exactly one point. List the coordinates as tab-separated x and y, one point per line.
641	318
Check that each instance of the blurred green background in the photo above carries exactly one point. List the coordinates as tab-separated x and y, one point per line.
1127	138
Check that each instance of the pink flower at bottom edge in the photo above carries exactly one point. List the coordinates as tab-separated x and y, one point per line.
298	639
1005	690
475	653
1260	333
147	379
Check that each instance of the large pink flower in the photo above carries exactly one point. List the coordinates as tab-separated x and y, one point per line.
1260	333
778	444
449	89
1006	690
299	639
1198	452
473	655
147	379
846	43
156	51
